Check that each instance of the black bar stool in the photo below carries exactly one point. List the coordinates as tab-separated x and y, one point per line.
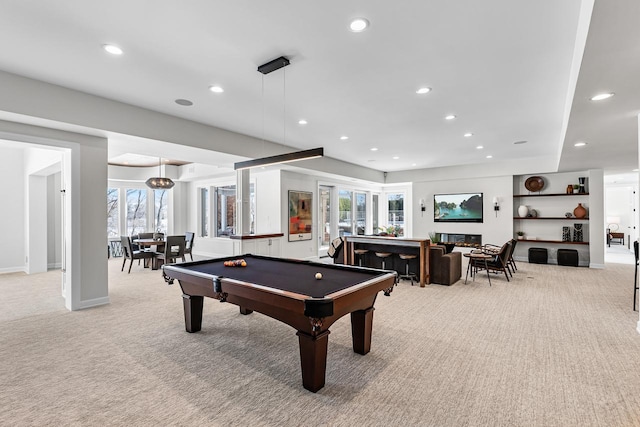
407	274
360	254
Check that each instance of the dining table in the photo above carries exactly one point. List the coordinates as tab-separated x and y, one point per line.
148	244
477	256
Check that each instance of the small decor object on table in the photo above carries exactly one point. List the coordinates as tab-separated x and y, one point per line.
580	211
577	232
566	234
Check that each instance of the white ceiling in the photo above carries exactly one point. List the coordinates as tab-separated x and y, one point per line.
506	68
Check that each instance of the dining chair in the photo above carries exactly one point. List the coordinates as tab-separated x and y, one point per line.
499	262
174	247
129	253
189	238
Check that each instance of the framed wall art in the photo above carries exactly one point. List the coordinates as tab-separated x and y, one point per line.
300	215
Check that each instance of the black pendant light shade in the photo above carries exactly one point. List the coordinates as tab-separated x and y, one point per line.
160	183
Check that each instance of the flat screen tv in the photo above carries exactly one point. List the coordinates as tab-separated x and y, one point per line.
462	207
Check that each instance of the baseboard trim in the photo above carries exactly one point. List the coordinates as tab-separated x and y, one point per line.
638	327
92	303
22	269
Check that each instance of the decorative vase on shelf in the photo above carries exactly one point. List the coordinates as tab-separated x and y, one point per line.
577	232
523	211
570	189
566	234
580	211
581	187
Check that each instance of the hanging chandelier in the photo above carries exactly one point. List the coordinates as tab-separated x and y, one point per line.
160	183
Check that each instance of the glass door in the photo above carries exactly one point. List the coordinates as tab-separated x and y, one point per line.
345	223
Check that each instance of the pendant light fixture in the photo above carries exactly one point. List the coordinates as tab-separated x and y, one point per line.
267	68
160	183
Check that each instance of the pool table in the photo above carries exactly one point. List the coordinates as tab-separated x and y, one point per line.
288	290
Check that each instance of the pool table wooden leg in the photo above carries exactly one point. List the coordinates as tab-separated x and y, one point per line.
361	327
192	312
313	358
245	310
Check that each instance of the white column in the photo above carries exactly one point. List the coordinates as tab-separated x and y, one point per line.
243	200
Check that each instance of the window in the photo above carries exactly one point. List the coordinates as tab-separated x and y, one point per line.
113	213
204	212
395	215
225	210
160	210
136	211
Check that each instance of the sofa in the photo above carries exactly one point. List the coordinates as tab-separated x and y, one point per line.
445	268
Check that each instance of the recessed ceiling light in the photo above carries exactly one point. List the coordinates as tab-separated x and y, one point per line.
184	102
601	96
489	156
374	149
344	137
414	164
450	117
112	49
395	157
302	122
579	144
635	170
216	89
423	90
468	134
479	147
520	142
370	160
358	25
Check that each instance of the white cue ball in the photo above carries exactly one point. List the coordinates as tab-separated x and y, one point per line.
318	276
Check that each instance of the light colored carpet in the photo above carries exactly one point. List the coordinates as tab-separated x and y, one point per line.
557	346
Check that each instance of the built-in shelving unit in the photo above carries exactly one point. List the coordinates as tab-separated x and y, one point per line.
550	218
552	205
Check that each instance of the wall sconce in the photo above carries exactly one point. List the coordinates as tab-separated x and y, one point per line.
422	207
496	205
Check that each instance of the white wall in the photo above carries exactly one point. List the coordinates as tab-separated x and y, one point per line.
268	207
13	211
494	229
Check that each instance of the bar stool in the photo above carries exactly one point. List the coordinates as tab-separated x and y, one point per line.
383	256
407	274
359	255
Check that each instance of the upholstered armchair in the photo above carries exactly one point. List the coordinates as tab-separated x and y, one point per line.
445	268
